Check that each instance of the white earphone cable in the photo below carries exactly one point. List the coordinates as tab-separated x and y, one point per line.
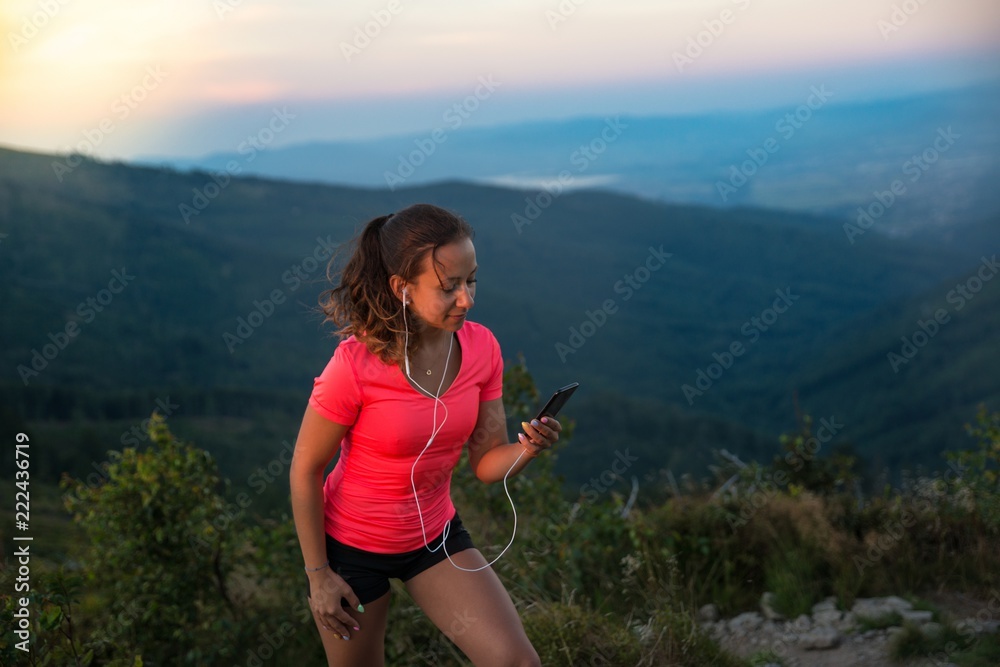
435	429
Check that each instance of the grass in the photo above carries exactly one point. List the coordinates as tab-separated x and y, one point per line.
951	645
764	658
791	578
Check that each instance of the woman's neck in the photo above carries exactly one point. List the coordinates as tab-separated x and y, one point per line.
432	339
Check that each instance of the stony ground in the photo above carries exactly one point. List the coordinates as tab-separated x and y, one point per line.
829	637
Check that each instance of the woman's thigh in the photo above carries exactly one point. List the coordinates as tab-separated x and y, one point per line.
473	610
366	647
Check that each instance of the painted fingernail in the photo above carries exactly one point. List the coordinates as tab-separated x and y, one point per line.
524	425
361	608
345	637
545	420
520	436
534	422
356	627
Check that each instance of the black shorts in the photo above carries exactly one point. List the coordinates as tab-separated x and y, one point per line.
368	573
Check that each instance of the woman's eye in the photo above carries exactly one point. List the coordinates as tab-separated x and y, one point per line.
455	286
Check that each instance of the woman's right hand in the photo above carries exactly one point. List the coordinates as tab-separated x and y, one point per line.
326	590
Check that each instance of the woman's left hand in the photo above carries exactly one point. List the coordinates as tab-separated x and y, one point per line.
539	434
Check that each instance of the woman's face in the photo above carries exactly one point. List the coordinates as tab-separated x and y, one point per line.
443	294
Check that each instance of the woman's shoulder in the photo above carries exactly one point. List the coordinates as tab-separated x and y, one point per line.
479	335
351	348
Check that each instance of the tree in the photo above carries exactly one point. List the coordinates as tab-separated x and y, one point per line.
161	540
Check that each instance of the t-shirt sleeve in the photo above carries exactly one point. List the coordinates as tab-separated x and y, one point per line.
493	388
336	393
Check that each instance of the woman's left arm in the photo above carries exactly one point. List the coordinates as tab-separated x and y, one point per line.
490	453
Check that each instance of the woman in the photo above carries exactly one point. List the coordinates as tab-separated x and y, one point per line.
408	387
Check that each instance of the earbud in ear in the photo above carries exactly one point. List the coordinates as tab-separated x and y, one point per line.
404	296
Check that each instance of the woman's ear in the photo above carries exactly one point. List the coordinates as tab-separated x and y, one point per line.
398	287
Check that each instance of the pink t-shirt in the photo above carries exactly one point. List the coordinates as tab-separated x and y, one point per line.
369	500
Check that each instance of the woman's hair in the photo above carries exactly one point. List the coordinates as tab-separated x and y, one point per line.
363	303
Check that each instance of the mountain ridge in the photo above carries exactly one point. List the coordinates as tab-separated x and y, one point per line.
199	279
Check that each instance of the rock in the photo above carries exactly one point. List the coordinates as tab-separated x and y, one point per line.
880	607
802	624
745	622
894	630
899	604
708	614
767	607
829	604
931	630
820	638
976	626
915	616
847	622
826	616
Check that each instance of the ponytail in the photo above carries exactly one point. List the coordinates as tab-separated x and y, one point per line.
363	304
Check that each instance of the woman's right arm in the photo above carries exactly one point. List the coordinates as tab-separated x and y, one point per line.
318	441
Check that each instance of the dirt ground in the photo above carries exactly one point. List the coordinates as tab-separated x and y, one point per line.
870	649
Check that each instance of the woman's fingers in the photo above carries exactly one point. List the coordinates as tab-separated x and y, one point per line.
328	606
542	435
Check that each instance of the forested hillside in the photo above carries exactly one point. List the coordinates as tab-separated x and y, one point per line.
688	328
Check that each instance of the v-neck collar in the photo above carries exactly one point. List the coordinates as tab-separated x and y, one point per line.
461	366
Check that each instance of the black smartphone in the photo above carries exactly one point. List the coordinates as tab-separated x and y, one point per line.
557	401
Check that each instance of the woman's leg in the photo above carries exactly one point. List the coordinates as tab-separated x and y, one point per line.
474	610
366	647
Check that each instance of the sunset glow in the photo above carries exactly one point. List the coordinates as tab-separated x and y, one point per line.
67	65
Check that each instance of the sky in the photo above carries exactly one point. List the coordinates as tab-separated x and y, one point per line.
121	79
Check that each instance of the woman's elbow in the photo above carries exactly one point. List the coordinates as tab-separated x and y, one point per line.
304	468
484	475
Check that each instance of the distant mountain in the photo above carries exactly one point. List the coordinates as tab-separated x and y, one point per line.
687	327
924	363
821	156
